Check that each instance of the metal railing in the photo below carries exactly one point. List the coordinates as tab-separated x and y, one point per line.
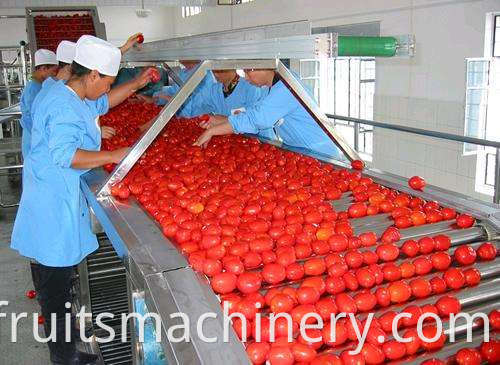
439	135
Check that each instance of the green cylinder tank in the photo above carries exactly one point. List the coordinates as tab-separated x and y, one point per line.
367	46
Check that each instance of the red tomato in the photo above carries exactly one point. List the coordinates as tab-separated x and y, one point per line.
422	265
273	273
223	283
454	278
391	235
249	282
415	312
338	242
407	270
465	221
368	239
387	319
487	251
494	318
438	285
357	165
314	266
282	303
307	295
421	288
354	259
400	292
442	242
345	303
280	355
303	352
335	285
410	248
357	210
448	213
372	354
490	351
403	222
339	335
447	305
294	271
257	352
348	359
31	294
388	252
140	38
365	277
414	345
426	245
365	301
416	183
465	255
327	360
155	75
472	276
433	362
468	357
300	311
418	218
394	350
212	267
441	260
391	272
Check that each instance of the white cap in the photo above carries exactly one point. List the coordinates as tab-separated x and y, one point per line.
97	54
66	51
45	57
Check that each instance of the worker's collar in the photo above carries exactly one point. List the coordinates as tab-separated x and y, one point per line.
228	90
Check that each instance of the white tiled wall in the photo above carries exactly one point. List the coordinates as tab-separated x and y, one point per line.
440	162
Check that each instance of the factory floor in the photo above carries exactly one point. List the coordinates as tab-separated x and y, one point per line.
15	280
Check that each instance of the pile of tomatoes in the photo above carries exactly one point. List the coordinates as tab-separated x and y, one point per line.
51	30
258	222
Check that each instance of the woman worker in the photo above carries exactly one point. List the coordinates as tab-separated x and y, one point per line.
280	110
45	66
52	225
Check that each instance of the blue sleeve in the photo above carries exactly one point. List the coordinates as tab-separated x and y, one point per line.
27	98
199	103
265	113
65	132
166	90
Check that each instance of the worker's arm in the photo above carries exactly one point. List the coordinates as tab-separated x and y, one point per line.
265	113
129	43
123	91
83	159
218	130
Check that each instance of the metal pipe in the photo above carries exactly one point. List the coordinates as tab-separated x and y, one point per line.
371	220
496	197
422	132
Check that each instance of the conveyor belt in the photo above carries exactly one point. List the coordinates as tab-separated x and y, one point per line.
108	294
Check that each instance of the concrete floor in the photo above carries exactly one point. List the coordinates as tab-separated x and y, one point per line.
15	280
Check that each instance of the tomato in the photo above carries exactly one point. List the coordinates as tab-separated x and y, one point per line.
387	319
400	292
339	335
487	251
345	303
414	345
314	338
249	282
438	285
388	252
294	271
314	266
490	351
223	283
257	352
494	318
442	242
357	210
368	239
472	276
415	312
316	282
410	248
372	354
465	255
416	183
454	278
140	38
394	350
369	257
468	357
31	294
349	359
273	273
403	222
365	301
430	332
441	260
326	307
338	242
391	272
426	245
357	165
447	305
248	308
421	288
155	75
448	213
314	217
433	362
251	260
327	360
319	247
422	265
350	280
365	277
391	235
307	295
300	311
212	267
465	221
407	270
418	218
303	352
334	285
280	355
354	259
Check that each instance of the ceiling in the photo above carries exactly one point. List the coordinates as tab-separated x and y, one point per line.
147	3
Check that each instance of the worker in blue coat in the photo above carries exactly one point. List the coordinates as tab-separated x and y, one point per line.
280	110
52	225
46	65
163	96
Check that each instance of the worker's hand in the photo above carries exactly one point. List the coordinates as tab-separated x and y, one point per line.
143	79
129	43
146	126
119	154
107	132
203	140
213	121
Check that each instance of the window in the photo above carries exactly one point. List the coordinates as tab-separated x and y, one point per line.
190	11
344	86
476	100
